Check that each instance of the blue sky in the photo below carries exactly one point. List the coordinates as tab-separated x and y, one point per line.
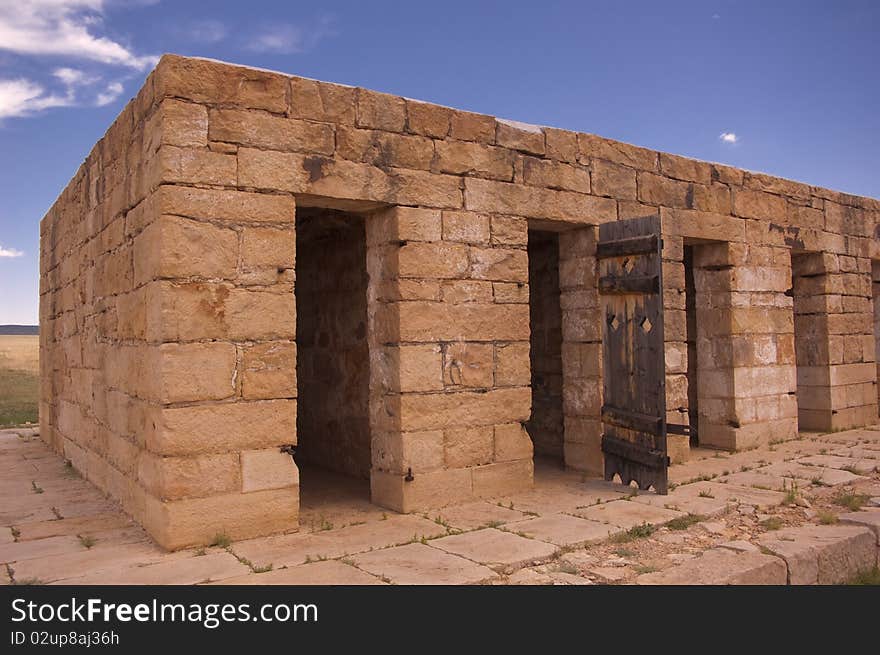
795	82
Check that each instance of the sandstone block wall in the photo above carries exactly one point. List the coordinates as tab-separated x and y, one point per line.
169	312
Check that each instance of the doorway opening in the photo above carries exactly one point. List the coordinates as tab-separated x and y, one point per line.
333	365
810	345
875	294
693	385
546	424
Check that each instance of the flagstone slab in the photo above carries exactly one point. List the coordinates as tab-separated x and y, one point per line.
565	499
829	477
823	554
721	566
868	451
72	526
25	550
471	516
854	465
760	498
298	548
562	529
495	548
709	507
83	562
328	572
625	514
190	569
758	479
280	550
423	565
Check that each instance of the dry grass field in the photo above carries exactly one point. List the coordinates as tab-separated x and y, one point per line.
19	379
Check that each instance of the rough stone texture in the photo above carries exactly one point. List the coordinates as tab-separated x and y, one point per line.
722	566
869	518
168	305
824	554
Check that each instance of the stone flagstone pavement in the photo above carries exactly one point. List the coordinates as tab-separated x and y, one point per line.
805	511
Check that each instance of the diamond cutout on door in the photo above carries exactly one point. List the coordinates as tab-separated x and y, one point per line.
613	323
647	325
628	265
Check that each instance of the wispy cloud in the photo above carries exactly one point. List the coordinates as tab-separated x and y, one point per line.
287	38
108	95
22	97
68	28
728	137
10	252
73	77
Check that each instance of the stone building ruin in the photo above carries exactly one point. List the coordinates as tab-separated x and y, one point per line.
254	273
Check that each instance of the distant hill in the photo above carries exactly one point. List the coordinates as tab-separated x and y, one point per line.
19	329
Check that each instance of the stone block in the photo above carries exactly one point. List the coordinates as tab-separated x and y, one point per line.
194	430
512	443
202	80
197	371
198	521
268	468
468	446
380	111
259	130
268	370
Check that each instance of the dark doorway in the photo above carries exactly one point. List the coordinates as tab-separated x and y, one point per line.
545	425
333	372
690	303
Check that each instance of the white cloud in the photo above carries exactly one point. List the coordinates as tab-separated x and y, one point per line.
728	137
286	38
63	28
72	77
10	252
113	91
23	97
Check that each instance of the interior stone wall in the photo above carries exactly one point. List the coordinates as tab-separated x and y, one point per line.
333	425
545	426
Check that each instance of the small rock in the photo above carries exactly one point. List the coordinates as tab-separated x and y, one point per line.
746	510
681	557
800	501
875	501
811	513
617	561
